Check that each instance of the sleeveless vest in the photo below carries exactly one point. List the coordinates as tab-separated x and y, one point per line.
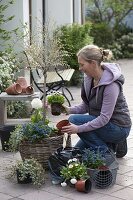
120	116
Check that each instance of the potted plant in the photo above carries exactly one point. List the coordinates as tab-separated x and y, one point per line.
5	135
94	159
28	171
37	138
56	99
102	167
42	51
75	173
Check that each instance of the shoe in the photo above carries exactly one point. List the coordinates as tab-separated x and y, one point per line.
112	147
121	149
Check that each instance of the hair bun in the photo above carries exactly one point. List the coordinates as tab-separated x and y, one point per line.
107	54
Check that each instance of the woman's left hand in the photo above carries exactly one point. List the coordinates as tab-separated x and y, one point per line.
71	129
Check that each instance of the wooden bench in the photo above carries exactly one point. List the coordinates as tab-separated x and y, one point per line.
56	80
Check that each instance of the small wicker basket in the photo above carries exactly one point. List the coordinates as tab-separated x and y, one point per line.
43	149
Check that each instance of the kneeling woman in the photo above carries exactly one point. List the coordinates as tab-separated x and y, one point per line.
103	115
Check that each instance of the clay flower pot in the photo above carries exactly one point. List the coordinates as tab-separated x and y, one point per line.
83	185
62	123
22	81
14	89
56	108
29	90
25	88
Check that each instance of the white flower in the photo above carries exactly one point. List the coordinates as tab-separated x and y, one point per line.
69	161
76	164
74	159
63	184
36	103
70	166
73	181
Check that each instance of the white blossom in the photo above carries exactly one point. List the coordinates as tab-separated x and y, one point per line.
69	161
36	103
70	166
63	184
74	159
73	181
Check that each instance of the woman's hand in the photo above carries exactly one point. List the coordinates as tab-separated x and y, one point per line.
66	109
71	129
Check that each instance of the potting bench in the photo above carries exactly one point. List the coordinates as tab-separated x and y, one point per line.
4	98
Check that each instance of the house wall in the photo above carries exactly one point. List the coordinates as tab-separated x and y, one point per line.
60	11
20	10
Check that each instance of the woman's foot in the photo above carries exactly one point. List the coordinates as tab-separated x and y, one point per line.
121	149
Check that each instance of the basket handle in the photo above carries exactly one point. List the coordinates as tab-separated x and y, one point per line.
65	138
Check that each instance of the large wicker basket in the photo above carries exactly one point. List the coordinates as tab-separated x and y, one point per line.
43	149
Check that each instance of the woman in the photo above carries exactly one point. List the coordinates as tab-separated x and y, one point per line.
108	121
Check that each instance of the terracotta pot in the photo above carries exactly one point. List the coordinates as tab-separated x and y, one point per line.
62	123
29	90
83	185
22	81
14	89
26	89
56	108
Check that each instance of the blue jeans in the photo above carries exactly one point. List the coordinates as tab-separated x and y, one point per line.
110	133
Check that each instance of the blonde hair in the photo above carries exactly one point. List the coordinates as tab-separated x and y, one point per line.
93	52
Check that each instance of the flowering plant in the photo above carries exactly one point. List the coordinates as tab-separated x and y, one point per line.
37	113
73	171
34	131
55	97
8	67
94	158
29	168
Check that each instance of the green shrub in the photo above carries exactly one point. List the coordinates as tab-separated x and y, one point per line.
126	42
101	32
18	109
74	37
8	67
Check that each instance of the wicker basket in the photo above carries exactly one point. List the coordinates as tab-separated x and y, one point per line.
105	178
43	149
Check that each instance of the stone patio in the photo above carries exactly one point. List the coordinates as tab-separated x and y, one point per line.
122	190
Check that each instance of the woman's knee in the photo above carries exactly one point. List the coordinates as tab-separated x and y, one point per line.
80	119
72	119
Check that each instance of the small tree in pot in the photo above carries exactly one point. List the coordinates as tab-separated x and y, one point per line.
44	52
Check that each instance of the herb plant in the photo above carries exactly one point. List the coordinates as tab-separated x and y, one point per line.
55	97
